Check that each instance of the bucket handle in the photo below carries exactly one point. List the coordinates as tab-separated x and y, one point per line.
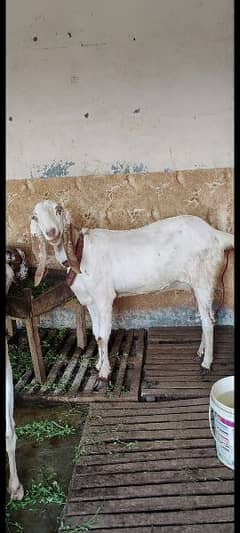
210	421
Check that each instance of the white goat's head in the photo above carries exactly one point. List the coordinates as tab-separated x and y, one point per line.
52	224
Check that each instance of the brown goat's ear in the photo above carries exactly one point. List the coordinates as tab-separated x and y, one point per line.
39	251
68	243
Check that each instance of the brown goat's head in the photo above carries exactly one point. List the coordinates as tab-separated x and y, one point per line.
51	223
16	259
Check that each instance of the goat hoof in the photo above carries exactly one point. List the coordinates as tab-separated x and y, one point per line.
98	385
204	371
17	494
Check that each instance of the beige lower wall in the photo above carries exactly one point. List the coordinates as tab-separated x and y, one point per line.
129	201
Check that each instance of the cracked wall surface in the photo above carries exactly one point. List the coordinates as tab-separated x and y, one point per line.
130	201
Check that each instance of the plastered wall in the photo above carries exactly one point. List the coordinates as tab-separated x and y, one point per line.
106	86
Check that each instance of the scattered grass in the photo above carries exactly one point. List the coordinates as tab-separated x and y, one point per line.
44	429
129	445
20	356
20	359
43	490
84	526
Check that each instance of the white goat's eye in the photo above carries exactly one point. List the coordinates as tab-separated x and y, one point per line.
58	209
34	217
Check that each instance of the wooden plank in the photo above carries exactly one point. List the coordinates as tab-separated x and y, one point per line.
35	349
91	382
67	374
128	455
133	406
17	307
55	297
81	326
152	394
164	434
161	477
26	377
138	362
204	528
11	326
196	516
83	367
153	504
205	460
155	418
116	472
123	363
164	489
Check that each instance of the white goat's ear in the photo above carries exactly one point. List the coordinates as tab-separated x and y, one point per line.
68	242
39	251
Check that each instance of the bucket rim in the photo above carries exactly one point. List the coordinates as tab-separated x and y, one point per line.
213	399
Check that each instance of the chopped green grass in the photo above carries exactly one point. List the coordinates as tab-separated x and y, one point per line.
43	490
44	429
20	358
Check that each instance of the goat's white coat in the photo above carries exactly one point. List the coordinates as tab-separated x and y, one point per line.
178	252
15	488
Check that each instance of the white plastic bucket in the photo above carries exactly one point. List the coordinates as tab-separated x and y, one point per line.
221	420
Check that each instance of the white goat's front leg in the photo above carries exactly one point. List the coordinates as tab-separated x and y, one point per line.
204	305
15	488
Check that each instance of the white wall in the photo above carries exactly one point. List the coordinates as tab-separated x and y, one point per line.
170	59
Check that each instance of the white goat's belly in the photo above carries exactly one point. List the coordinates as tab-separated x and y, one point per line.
160	287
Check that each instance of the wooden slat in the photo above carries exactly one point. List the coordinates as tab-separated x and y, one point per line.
81	326
35	349
83	367
157	503
204	528
137	473
56	296
149	491
196	516
137	364
123	363
172	368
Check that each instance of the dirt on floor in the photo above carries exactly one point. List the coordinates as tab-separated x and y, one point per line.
45	467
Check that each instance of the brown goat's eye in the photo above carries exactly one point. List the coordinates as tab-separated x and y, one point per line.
58	209
35	218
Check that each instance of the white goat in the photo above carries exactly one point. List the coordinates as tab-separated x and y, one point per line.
181	252
15	268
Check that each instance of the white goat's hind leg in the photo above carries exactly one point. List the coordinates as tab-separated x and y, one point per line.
204	305
201	348
15	488
93	312
104	334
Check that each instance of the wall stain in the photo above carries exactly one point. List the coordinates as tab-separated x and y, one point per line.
55	169
165	317
120	167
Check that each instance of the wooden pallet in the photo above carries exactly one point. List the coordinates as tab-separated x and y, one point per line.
150	467
172	369
72	377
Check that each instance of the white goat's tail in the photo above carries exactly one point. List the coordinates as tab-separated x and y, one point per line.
226	239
